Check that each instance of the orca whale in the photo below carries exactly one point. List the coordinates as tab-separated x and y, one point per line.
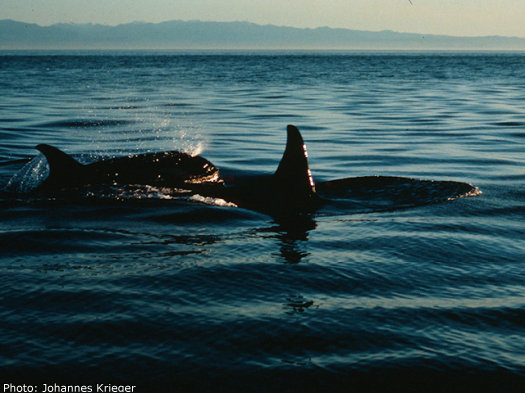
166	169
290	190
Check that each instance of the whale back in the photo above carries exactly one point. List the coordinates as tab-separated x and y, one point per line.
165	169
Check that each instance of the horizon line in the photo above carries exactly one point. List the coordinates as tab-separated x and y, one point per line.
262	25
3	51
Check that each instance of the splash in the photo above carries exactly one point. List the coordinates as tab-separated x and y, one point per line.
198	149
144	133
212	201
186	139
160	132
472	193
134	193
29	176
139	192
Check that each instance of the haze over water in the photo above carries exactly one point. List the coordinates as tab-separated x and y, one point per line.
181	295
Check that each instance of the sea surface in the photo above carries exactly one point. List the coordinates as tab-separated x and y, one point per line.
194	295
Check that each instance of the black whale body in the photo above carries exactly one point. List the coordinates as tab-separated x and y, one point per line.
167	169
290	190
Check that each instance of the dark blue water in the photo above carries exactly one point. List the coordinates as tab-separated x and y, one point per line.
170	294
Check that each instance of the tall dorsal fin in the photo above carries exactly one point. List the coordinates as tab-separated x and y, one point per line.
293	171
63	169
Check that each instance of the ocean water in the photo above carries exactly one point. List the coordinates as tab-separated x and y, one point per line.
186	294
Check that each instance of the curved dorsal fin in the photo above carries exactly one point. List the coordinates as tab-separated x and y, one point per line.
293	171
63	169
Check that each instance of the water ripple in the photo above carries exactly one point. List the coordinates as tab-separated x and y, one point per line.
161	292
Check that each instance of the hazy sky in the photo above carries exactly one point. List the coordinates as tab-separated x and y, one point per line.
453	17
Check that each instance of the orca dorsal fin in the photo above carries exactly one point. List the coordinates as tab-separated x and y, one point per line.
293	171
63	169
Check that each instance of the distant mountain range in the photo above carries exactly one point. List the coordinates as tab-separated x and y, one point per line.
230	35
